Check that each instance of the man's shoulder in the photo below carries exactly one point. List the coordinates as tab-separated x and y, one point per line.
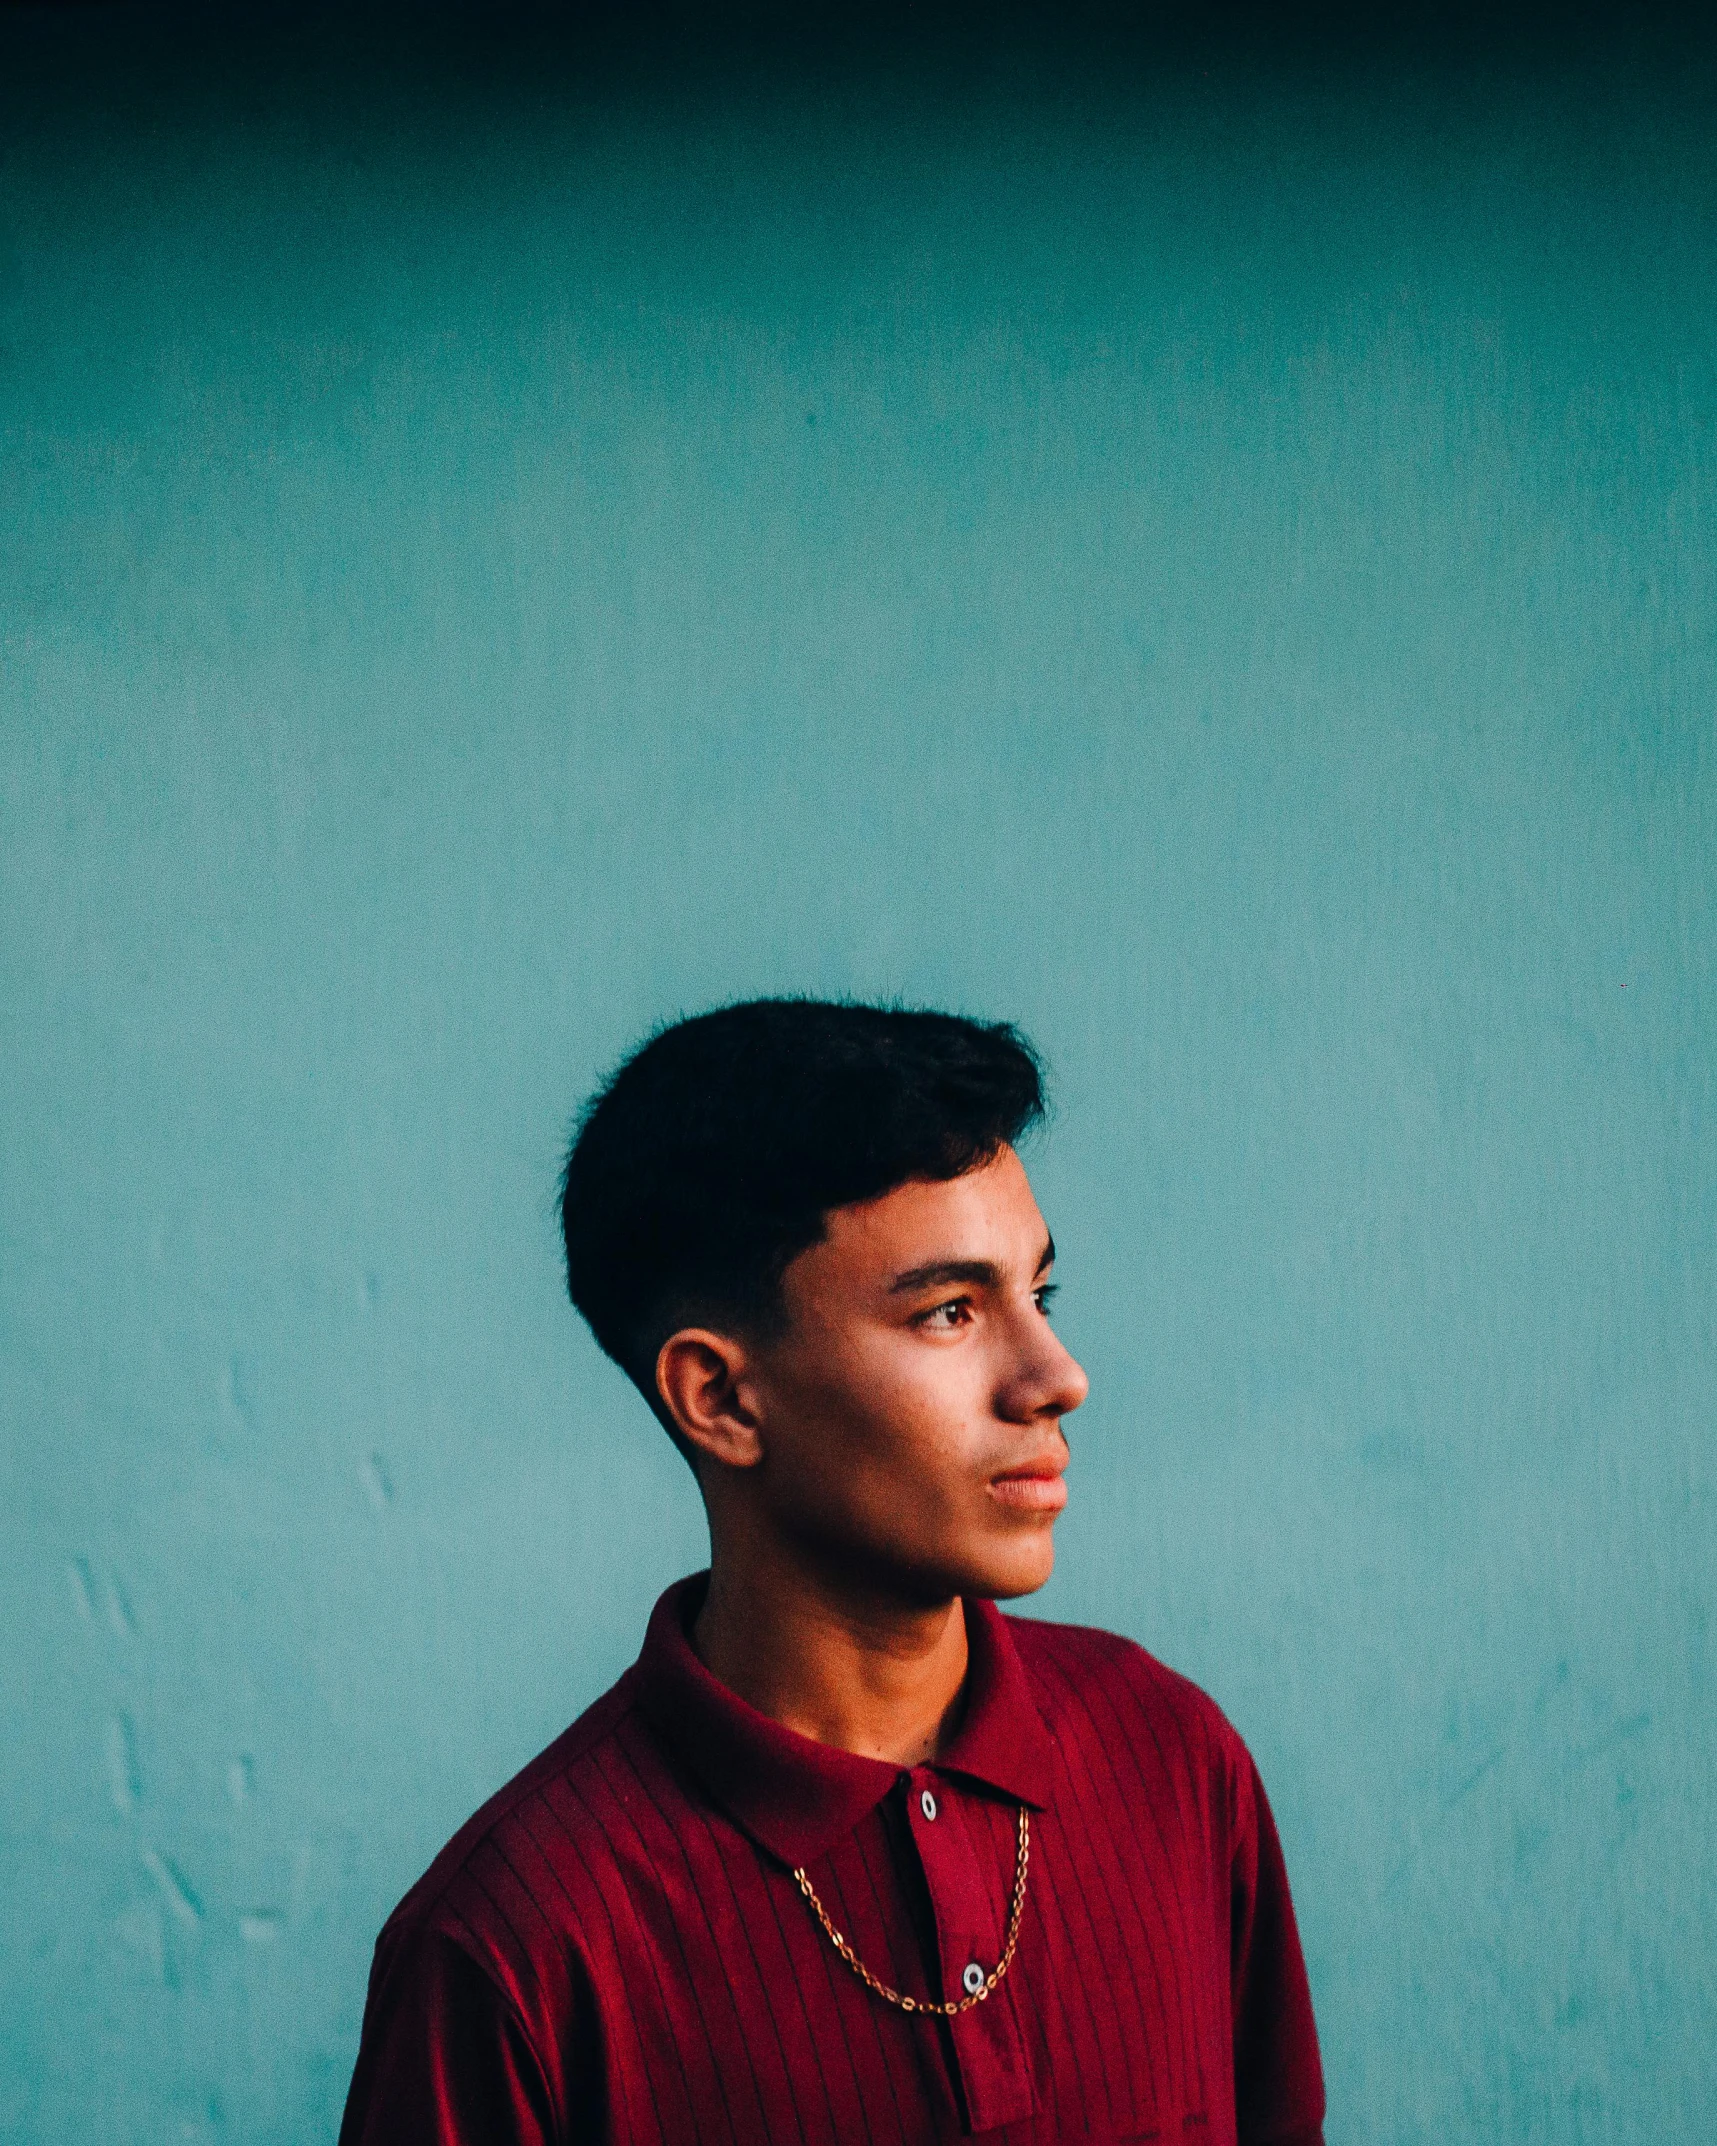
1097	1684
523	1863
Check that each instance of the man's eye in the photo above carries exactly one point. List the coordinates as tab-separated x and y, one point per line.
1046	1296
945	1317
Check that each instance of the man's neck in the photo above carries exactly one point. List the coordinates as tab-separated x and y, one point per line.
844	1665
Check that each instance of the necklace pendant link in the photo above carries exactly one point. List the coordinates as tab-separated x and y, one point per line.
947	2008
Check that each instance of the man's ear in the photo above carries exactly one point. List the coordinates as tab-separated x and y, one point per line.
701	1377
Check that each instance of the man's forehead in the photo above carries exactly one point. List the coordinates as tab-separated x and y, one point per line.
980	1213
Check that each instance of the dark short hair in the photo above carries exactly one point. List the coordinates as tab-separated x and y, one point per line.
712	1156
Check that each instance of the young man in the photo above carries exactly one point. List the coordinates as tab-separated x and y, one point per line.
847	1855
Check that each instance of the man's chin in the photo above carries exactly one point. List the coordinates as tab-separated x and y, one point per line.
1021	1572
999	1566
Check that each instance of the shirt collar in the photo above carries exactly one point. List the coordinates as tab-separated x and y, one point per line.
796	1797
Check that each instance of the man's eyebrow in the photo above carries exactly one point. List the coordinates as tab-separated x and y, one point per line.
981	1273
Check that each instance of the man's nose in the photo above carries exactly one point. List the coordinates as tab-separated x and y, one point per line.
1048	1380
1070	1385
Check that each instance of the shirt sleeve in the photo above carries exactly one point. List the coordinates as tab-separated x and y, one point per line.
443	2059
1278	2078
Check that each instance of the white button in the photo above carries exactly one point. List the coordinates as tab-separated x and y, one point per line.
973	1978
927	1804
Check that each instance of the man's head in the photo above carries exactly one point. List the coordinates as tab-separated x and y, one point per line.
801	1228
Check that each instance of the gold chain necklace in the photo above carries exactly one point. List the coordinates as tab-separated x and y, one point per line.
937	2009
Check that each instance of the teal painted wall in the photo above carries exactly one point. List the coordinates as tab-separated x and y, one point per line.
1214	561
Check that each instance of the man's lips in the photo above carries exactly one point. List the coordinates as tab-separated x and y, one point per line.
1034	1488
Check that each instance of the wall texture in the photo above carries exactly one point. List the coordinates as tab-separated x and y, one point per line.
1213	558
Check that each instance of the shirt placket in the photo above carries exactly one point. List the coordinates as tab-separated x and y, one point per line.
969	1900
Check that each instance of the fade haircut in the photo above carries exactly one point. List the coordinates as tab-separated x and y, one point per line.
712	1156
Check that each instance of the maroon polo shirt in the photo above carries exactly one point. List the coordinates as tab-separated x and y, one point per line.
614	1948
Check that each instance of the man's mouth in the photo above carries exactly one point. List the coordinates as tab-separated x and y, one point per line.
1034	1487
